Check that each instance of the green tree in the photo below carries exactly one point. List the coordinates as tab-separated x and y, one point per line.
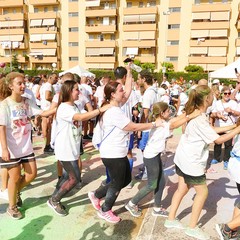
15	62
169	66
148	66
194	68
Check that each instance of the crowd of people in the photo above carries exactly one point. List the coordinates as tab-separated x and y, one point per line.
117	115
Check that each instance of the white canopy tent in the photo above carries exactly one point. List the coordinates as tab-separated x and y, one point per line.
226	72
78	70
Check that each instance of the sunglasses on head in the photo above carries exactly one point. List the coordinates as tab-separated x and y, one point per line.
227	93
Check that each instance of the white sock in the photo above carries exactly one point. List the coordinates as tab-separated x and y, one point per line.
131	204
157	209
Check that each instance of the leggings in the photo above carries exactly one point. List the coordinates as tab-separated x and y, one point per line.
120	174
69	179
156	181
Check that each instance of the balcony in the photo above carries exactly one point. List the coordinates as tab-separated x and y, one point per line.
139	43
12	31
43	15
210	25
139	27
101	13
137	10
238	42
41	45
98	59
12	17
215	7
8	59
210	43
100	44
44	60
11	3
204	60
146	59
43	30
100	28
43	2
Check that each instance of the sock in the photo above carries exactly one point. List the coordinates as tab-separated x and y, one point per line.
157	209
131	204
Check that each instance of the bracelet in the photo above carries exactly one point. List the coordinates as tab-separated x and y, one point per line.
154	125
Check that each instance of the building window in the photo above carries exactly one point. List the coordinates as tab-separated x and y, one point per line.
14	11
224	1
91	37
73	14
175	9
73	0
152	3
169	43
45	9
73	44
112	37
129	4
140	4
73	59
55	9
197	1
210	1
173	26
73	29
36	10
172	59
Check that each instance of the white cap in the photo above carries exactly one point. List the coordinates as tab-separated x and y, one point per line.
190	81
215	81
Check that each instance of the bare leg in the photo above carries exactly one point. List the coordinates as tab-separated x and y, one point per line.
4	176
30	173
177	197
199	200
13	184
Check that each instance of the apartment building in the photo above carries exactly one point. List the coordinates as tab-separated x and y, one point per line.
60	34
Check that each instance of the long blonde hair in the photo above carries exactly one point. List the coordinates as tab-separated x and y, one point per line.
157	110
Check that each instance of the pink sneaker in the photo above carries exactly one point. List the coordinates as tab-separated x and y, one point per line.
95	201
109	216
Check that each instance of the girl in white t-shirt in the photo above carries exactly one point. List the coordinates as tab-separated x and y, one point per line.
67	142
113	150
15	138
152	158
191	159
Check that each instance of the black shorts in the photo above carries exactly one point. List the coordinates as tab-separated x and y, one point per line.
191	180
17	161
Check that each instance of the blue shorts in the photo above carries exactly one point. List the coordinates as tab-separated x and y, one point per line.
131	142
143	141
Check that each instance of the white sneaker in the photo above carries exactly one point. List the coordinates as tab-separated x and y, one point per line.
174	224
4	194
197	233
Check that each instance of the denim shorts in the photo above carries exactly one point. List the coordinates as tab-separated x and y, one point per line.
191	180
143	141
17	161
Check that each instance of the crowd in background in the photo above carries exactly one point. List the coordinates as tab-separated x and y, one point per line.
131	113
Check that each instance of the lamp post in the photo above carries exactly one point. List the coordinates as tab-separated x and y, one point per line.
165	49
9	38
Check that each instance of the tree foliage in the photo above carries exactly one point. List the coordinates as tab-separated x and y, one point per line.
194	68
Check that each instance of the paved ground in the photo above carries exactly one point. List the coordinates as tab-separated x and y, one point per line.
82	223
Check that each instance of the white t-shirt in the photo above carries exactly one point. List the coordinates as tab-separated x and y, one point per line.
68	133
115	145
131	102
219	107
16	117
149	98
157	141
45	105
192	151
100	95
183	100
34	90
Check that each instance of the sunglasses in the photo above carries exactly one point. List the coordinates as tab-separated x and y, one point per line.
227	93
